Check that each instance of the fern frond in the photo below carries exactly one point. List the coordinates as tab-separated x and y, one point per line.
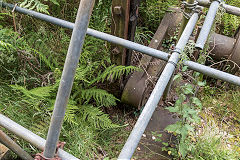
41	127
101	97
70	115
35	4
96	117
40	92
114	72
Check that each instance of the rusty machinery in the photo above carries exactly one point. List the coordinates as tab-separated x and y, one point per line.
140	84
79	31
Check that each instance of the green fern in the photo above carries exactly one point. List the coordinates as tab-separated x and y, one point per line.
114	72
100	96
36	93
35	4
38	5
96	117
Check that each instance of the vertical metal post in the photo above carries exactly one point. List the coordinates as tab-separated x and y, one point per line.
185	19
207	25
157	93
8	142
71	63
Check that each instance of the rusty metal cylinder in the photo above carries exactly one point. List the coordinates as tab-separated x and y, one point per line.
221	46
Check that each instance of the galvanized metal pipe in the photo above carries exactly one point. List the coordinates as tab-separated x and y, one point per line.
104	36
30	137
123	42
71	64
211	72
8	142
207	25
229	9
157	93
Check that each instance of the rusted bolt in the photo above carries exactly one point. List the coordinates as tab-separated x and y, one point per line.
117	10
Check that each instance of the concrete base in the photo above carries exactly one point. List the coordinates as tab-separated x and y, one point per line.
148	148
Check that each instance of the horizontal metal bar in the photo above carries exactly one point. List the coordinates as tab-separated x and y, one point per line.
9	143
229	9
30	137
104	36
207	25
157	93
128	44
214	73
125	43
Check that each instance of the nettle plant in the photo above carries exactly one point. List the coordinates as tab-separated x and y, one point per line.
187	107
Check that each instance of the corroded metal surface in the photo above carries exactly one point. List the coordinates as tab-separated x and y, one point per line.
139	85
221	46
235	54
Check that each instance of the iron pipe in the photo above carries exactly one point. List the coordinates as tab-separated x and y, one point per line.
211	72
157	93
207	25
30	137
8	142
229	9
104	36
123	42
70	66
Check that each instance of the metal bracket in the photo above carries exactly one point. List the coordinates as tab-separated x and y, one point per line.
40	156
190	6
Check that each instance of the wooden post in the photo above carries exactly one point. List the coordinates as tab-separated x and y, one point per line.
120	21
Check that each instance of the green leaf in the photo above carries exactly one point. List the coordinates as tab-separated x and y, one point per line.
165	144
197	102
174	127
189	128
177	77
173	109
201	84
55	2
183	149
188	89
184	132
184	68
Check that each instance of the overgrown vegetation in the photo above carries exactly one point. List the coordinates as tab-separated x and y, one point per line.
32	59
32	55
